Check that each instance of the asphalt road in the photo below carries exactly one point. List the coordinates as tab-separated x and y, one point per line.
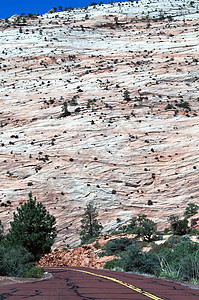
89	284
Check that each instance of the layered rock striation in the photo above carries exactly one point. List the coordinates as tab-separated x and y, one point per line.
130	78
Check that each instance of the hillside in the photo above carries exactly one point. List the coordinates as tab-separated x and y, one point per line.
117	153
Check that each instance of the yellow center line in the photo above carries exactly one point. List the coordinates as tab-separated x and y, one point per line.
128	285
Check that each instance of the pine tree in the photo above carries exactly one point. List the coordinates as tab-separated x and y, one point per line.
33	228
90	227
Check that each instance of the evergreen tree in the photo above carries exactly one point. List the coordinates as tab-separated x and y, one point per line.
191	210
177	226
65	110
143	227
33	228
90	226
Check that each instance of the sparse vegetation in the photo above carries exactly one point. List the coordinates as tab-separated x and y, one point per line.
144	90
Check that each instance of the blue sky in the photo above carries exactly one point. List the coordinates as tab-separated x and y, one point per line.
11	7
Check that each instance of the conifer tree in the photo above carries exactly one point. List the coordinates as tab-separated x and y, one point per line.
33	228
90	227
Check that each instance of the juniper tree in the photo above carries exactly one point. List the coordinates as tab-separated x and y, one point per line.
143	227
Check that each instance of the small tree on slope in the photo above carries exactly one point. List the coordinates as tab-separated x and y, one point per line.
90	226
191	210
33	227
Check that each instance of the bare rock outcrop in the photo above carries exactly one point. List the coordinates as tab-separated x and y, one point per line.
84	256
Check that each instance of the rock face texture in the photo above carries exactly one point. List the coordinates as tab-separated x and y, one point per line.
85	256
130	79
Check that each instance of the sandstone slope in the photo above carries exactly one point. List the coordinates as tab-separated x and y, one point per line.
115	153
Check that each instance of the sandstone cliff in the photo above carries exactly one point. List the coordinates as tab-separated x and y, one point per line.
117	153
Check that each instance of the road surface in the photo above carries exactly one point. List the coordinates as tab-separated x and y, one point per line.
90	284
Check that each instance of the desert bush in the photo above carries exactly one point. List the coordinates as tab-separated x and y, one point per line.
182	261
35	272
111	264
118	245
135	260
170	243
14	261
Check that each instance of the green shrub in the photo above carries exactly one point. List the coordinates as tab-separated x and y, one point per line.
183	260
169	274
135	260
184	105
15	261
173	240
118	245
194	232
101	254
1	231
169	244
169	106
194	221
166	230
111	264
35	272
179	262
143	244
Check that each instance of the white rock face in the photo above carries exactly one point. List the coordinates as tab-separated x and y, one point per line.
115	153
